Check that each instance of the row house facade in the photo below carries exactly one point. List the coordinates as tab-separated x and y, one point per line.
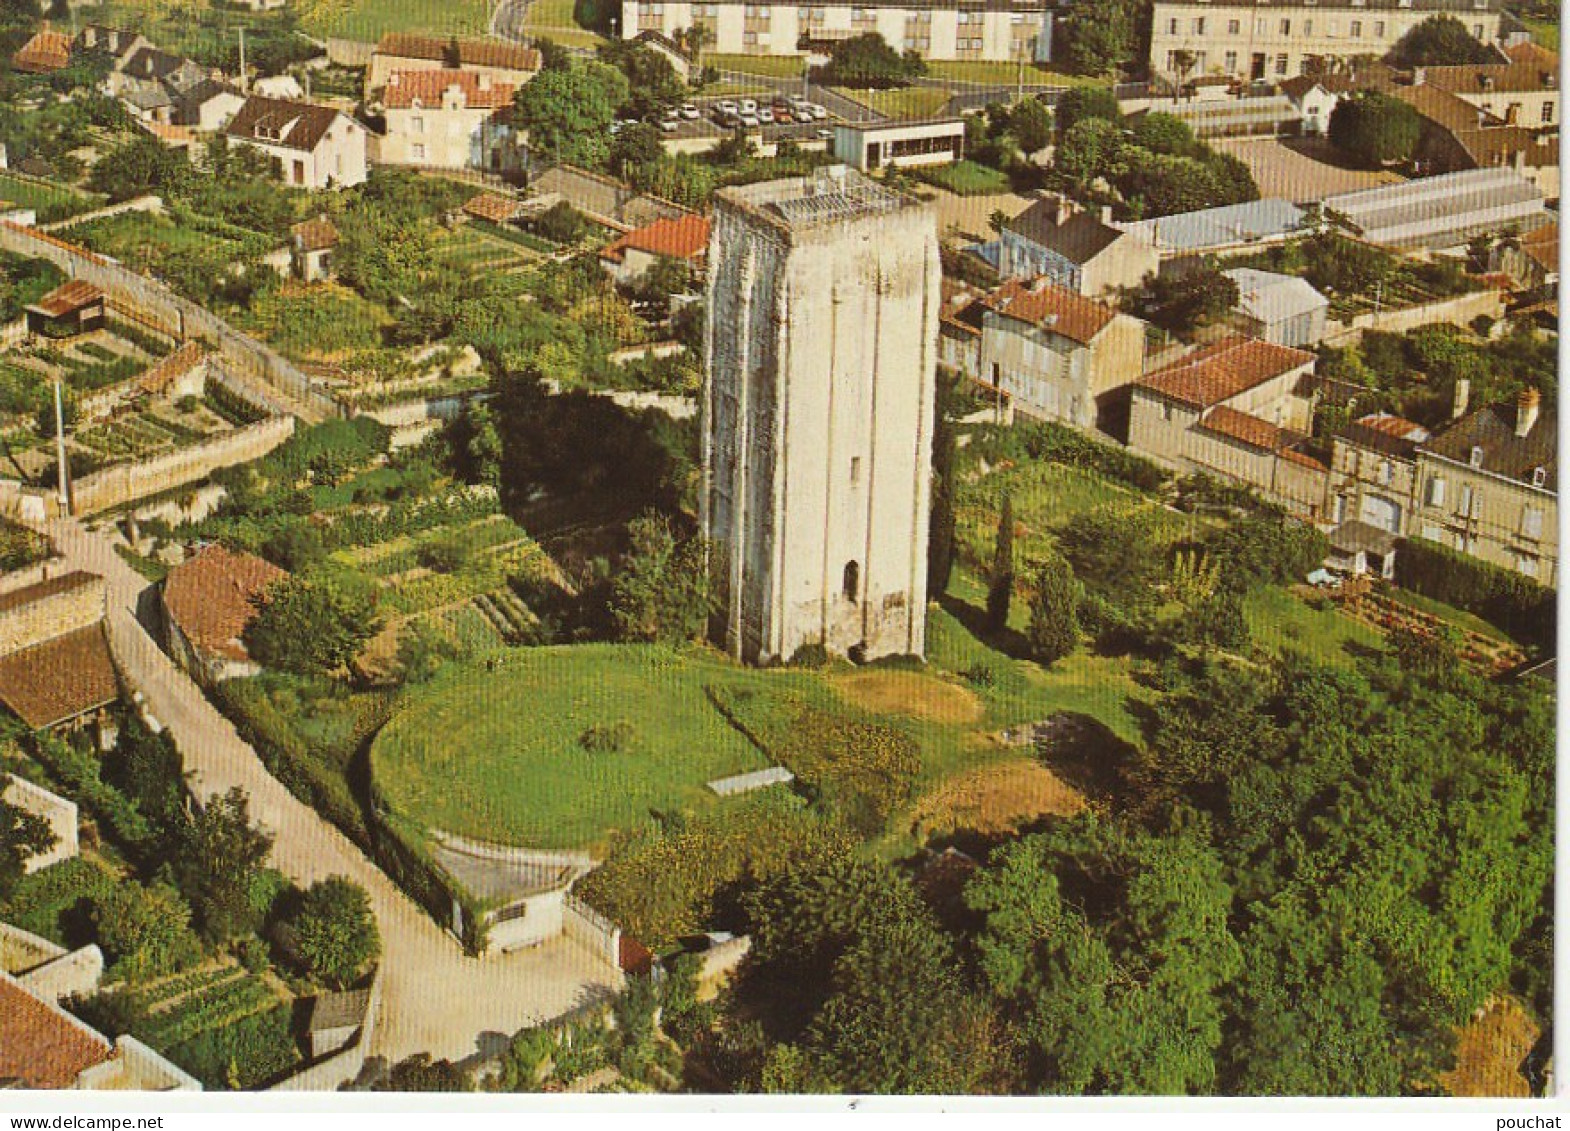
989	30
1274	41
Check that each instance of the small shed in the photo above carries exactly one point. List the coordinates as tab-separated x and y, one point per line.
1284	309
335	1019
312	243
74	307
1359	549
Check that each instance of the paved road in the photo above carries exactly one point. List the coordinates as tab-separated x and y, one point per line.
435	999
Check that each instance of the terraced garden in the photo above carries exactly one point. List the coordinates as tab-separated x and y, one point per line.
227	1027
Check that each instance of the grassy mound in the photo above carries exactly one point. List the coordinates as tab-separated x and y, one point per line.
559	747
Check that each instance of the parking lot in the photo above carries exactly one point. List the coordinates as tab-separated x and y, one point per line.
707	123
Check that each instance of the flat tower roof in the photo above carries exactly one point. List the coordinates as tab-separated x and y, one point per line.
827	195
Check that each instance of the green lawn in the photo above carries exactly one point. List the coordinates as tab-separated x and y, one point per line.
966	178
772	66
1280	622
369	20
498	754
48	200
905	102
1003	73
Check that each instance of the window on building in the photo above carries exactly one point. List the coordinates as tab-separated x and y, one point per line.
417	124
852	581
1436	492
1532	522
1231	61
1286	27
1234	27
1172	25
1386	472
1199	26
1477	456
1281	64
1477	31
1526	565
419	153
1432	532
855	470
1548	112
1357	29
1539	476
1379	29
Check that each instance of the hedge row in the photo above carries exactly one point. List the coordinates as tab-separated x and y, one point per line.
78	772
1056	443
1516	604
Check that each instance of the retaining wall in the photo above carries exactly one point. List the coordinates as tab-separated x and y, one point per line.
152	302
59	813
127	482
591	930
1461	310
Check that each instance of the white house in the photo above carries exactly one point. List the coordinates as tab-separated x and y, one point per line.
906	144
316	146
1283	309
446	118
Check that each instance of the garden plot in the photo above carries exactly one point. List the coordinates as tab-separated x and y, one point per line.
472	249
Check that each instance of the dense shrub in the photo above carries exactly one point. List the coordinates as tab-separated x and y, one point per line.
1056	443
1517	604
56	902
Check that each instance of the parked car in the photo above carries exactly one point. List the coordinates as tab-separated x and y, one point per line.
803	114
689	111
750	120
825	134
670	125
818	112
728	106
749	106
766	116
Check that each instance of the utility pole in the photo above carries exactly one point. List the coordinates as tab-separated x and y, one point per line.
64	469
244	86
1019	52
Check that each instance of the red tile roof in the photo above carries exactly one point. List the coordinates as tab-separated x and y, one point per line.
684	238
1055	309
60	679
1246	429
1294	455
68	298
47	51
1541	245
1392	425
490	206
1223	369
961	309
428	88
41	1045
212	598
471	52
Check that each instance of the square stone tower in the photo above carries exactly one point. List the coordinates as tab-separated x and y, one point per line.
817	426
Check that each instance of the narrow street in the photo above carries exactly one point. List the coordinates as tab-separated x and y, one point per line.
435	998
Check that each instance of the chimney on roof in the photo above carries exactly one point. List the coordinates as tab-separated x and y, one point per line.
1463	397
1527	407
1106	215
485	81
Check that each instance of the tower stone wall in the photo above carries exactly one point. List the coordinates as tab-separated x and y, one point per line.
821	354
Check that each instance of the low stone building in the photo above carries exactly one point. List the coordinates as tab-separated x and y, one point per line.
208	603
629	257
1056	355
55	665
74	307
311	246
1488	486
1239	410
1087	254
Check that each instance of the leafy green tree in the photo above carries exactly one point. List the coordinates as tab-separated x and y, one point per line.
138	166
1182	304
1031	124
1109	951
1000	586
315	622
222	856
1163	185
1375	128
1440	40
145	932
1098	38
1115	554
334	932
636	148
1164	133
146	767
1054	612
1092	148
568	112
662	590
1081	102
652	83
476	444
419	1073
867	60
23	835
561	223
422	650
942	525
